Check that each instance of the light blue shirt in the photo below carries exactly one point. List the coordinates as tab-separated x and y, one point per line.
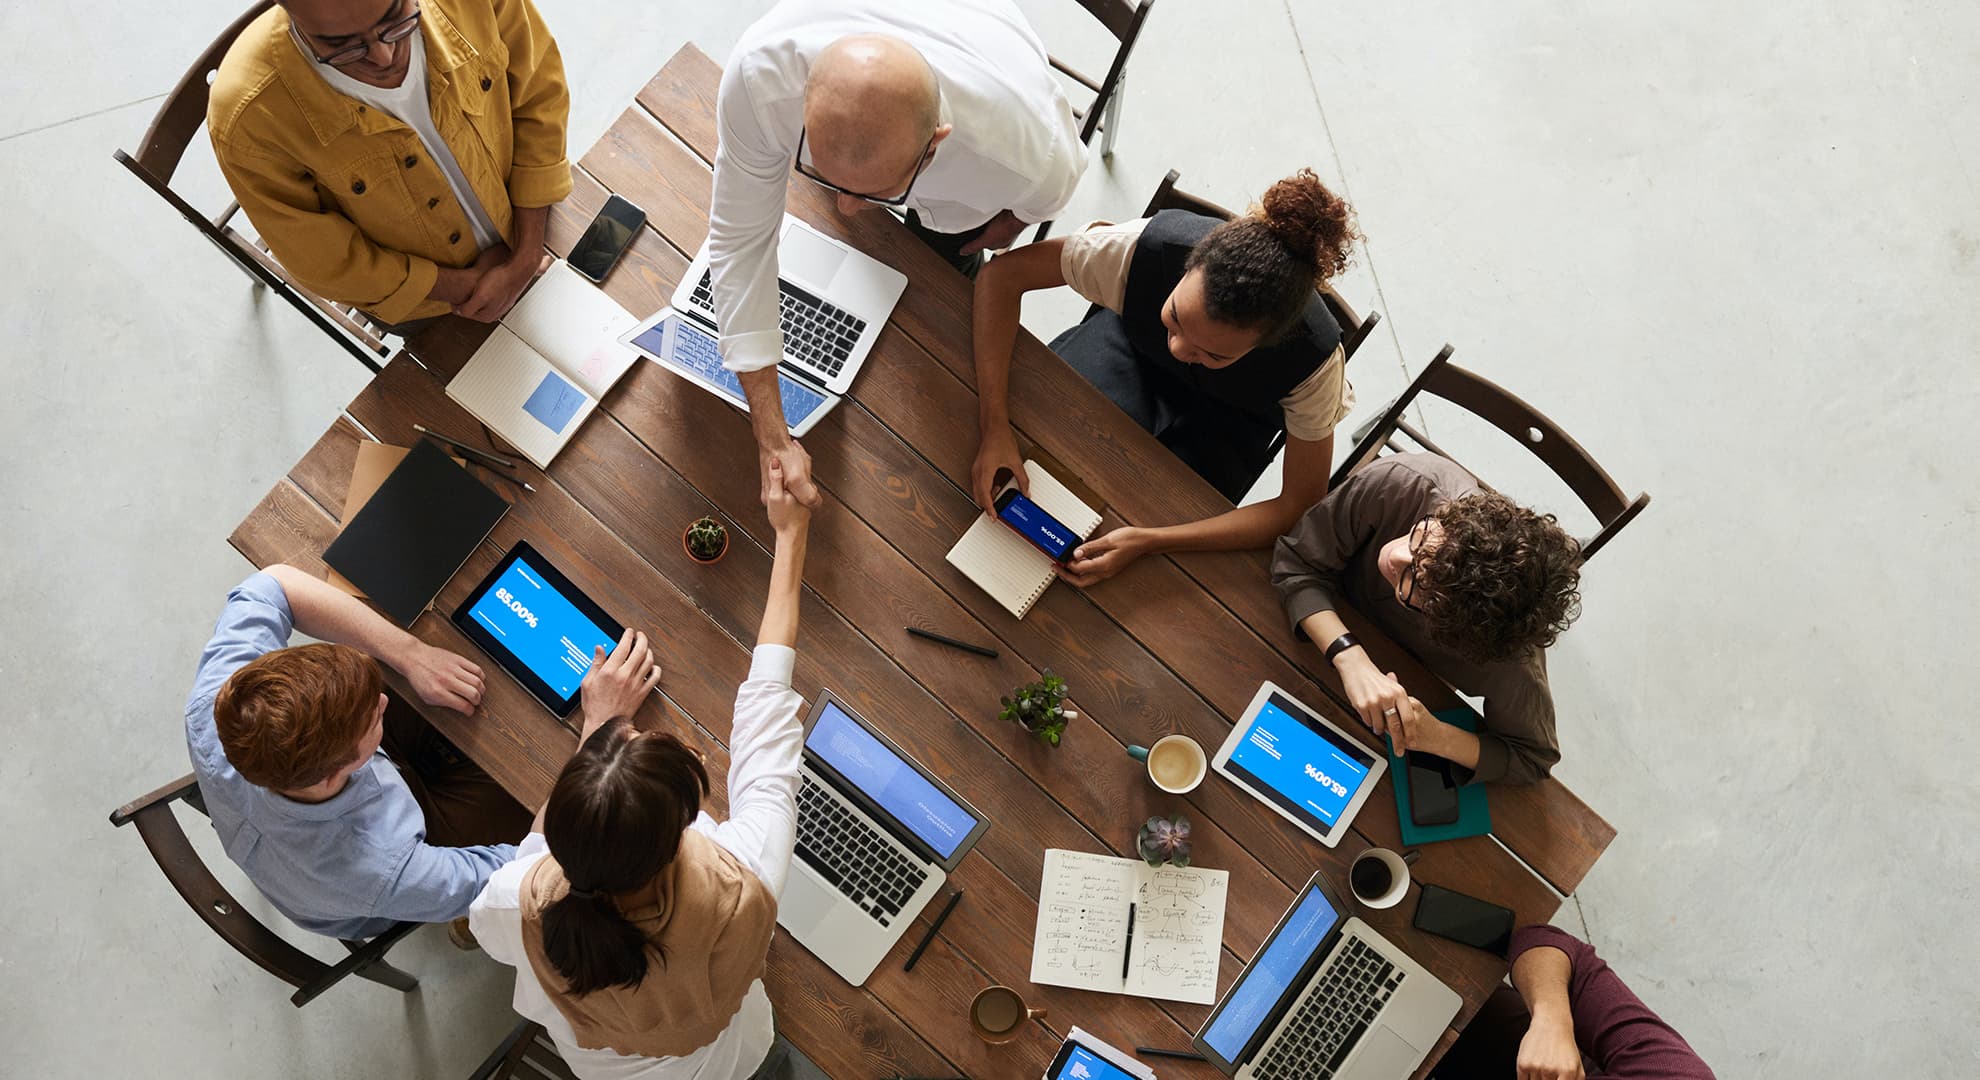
348	867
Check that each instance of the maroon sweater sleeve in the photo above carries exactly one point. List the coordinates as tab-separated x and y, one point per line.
1617	1032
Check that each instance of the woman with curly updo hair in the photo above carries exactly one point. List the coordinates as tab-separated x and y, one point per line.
1210	334
1472	583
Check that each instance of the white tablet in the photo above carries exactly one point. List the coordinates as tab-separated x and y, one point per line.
1084	1057
1296	762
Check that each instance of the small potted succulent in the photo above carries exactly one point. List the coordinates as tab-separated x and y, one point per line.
1164	840
706	540
1040	707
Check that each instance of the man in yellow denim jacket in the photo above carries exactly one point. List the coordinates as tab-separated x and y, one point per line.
350	197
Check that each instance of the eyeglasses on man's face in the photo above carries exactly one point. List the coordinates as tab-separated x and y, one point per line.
1406	585
388	34
811	174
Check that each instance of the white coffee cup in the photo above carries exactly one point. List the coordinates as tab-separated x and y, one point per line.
1382	861
1176	764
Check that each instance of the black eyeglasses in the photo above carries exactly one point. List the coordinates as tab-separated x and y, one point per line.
1406	588
392	34
797	164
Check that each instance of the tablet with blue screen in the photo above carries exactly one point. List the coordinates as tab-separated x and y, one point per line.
1084	1057
537	626
1295	761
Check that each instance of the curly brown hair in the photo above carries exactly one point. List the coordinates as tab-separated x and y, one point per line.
1260	270
1501	579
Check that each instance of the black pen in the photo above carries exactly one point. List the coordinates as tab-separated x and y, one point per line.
475	452
1128	952
1156	1051
932	927
951	642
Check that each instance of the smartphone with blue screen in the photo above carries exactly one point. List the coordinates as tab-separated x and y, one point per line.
1045	532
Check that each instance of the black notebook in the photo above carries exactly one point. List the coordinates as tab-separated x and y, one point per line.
415	533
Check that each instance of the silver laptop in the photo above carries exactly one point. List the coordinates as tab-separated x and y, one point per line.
1327	997
835	302
877	836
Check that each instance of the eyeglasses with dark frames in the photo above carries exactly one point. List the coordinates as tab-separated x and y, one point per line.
798	165
1406	588
391	34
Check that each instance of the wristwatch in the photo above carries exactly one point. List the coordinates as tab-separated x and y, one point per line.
1341	644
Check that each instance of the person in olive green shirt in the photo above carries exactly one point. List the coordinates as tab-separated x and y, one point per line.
1471	583
398	155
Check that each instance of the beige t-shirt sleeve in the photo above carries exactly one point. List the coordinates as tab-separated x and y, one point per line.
1095	261
1320	402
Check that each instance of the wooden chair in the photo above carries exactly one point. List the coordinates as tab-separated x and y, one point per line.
157	160
1123	19
1500	408
525	1052
183	867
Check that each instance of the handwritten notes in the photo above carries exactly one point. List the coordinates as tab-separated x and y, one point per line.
1082	934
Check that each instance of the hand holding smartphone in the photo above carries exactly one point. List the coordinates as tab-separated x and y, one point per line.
1045	532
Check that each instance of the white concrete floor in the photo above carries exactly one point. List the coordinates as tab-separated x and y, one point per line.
1732	247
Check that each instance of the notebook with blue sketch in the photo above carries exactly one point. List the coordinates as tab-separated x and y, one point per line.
549	361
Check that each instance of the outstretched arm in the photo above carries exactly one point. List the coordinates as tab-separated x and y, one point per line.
439	677
1000	289
792	521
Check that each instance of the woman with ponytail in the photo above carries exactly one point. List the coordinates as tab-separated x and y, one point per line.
637	924
1210	334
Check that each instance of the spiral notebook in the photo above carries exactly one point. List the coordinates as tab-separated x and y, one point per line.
1004	564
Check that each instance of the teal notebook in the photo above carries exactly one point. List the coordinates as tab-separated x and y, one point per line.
1474	814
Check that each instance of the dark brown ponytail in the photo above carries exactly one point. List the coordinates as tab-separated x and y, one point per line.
1260	270
613	822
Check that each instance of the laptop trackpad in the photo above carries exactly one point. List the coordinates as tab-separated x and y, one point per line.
807	259
805	904
1385	1054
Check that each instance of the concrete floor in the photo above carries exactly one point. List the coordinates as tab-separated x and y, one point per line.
1732	247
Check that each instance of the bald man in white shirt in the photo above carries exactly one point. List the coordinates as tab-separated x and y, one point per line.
947	109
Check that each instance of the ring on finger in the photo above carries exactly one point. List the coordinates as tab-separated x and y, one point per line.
1388	712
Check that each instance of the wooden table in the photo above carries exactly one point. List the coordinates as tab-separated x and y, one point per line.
1174	644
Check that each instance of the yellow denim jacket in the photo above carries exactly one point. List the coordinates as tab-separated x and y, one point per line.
344	195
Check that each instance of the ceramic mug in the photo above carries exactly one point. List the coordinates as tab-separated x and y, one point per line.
1379	878
1176	764
999	1013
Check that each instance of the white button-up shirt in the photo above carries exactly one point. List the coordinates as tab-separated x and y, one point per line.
766	749
1015	145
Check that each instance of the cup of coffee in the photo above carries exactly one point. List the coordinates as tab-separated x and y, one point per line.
1379	878
998	1013
1175	763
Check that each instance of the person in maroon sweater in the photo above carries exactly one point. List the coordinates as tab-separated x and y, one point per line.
1567	1016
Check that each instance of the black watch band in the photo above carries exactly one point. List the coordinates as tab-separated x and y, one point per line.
1341	644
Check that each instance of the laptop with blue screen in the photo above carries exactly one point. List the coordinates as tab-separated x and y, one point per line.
877	835
1325	998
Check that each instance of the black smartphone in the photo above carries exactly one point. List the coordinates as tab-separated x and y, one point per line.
1047	533
606	238
1433	793
1464	919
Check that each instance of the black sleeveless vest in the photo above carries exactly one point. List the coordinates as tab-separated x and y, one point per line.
1262	376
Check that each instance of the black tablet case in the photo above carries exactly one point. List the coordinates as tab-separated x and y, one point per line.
415	533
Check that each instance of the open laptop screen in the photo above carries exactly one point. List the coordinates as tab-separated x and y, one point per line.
895	786
1257	995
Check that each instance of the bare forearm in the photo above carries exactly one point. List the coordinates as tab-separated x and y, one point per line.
1245	527
1542	975
993	337
329	614
452	286
531	225
766	408
780	610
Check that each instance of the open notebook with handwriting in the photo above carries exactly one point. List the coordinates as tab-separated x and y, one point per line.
1002	563
1097	913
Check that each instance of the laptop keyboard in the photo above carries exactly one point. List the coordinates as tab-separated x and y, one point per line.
1333	1017
818	335
852	854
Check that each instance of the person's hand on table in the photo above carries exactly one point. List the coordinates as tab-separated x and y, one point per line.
793	473
617	683
787	514
1415	727
441	678
1548	1051
996	235
501	285
1103	556
997	452
1378	698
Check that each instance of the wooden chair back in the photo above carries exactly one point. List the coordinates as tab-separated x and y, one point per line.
217	908
1123	19
157	160
1499	407
525	1052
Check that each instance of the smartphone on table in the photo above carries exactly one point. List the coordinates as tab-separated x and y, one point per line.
1433	791
606	238
1045	532
1466	920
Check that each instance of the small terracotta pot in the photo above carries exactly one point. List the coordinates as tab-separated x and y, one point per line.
697	558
